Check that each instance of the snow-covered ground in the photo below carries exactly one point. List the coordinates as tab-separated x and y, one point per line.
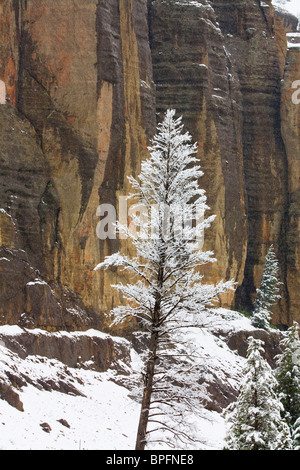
104	419
292	6
100	414
104	415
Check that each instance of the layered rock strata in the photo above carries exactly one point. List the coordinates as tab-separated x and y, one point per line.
230	83
84	83
290	128
80	108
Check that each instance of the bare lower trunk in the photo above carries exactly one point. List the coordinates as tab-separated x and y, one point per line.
150	367
146	401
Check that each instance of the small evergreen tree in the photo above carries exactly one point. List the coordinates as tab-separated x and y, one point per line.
268	292
254	421
288	374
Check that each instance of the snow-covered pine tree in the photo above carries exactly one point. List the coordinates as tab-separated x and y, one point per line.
285	440
296	435
288	374
166	293
254	421
268	292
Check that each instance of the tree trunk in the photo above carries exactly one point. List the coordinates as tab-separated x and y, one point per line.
146	401
150	368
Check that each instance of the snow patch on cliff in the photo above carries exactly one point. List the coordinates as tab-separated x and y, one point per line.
293	40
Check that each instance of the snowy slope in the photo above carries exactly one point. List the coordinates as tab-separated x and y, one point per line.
101	413
104	419
292	6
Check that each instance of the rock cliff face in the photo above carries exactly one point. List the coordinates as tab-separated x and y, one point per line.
84	81
290	127
79	68
193	73
256	41
221	64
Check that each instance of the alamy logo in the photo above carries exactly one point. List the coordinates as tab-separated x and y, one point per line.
296	94
2	92
150	222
